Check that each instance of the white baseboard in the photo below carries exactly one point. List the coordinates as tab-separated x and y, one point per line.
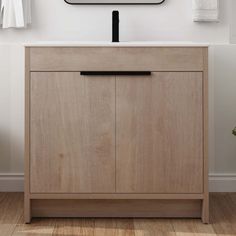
222	182
11	182
217	182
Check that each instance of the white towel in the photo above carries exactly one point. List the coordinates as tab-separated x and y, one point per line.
15	13
1	13
27	11
206	10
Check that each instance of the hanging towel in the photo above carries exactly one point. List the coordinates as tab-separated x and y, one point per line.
206	10
0	13
27	12
12	11
15	13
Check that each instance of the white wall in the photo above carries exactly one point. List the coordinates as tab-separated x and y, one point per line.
11	108
222	117
54	20
225	108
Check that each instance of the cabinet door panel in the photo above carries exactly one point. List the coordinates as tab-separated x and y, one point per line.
72	129
159	133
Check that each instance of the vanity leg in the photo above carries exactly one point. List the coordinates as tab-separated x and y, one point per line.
27	201
205	210
27	210
205	202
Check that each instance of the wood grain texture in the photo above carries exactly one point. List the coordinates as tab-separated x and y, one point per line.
39	227
159	146
99	59
190	227
116	196
160	227
11	209
117	208
205	203
116	138
114	227
72	133
222	212
74	227
27	212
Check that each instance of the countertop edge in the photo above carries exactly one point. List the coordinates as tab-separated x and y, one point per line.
122	44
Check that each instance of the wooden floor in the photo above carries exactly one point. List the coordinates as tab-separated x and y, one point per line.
222	211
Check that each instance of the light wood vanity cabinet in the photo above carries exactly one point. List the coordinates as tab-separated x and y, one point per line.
116	145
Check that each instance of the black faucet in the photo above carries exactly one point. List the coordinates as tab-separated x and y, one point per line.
115	26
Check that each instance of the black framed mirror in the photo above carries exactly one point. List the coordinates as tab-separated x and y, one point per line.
114	2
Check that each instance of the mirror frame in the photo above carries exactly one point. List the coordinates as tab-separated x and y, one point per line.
158	3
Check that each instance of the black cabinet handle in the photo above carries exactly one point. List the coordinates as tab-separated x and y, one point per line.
116	73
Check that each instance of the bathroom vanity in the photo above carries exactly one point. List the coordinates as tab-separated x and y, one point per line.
116	130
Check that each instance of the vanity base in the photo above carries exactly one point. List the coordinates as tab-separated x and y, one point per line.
116	136
117	208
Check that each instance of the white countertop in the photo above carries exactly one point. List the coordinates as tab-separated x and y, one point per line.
110	44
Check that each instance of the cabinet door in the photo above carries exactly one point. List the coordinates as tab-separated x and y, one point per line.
160	133
72	133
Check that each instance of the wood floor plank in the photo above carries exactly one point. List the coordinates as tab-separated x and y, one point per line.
203	229
223	214
105	227
2	195
114	227
11	206
190	227
232	196
231	203
125	227
38	227
150	227
74	227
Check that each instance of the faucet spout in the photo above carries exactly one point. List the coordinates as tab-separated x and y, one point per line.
115	26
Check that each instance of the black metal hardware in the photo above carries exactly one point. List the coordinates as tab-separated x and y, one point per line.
116	73
96	3
115	26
